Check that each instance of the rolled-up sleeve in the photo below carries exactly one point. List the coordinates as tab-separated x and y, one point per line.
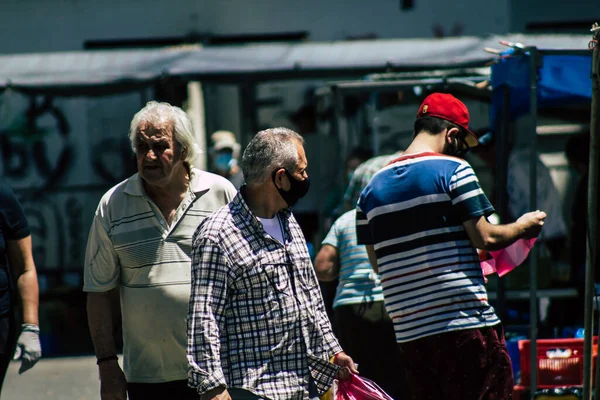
101	271
206	316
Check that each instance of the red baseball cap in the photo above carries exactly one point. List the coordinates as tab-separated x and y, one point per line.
448	107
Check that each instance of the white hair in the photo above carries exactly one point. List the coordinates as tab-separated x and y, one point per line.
157	113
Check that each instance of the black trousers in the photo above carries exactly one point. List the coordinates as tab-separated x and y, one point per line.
161	391
366	334
8	342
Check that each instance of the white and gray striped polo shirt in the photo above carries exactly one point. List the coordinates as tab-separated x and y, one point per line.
132	246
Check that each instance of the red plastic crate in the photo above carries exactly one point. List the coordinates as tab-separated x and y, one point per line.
560	362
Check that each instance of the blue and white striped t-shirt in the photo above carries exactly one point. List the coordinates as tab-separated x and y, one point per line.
412	212
358	283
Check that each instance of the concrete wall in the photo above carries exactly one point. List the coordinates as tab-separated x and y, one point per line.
522	12
53	25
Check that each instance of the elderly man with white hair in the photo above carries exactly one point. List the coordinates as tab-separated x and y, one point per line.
138	257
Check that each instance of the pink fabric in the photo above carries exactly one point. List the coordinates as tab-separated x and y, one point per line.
505	260
359	388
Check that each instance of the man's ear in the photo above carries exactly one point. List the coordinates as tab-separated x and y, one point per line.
279	178
451	134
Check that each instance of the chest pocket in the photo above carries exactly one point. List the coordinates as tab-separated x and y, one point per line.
307	278
266	278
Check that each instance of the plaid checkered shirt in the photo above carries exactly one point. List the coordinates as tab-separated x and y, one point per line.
256	320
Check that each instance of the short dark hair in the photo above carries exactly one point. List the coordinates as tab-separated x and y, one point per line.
435	125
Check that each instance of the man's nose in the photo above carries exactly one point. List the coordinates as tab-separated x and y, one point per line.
150	154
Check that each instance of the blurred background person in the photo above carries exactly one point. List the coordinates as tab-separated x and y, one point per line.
334	205
570	312
554	234
17	265
359	179
362	175
225	152
362	325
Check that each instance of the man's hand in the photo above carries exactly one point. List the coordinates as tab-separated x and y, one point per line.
532	223
346	366
218	393
113	385
29	349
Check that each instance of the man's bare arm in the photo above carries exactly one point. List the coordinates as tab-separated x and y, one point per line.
104	320
489	237
327	264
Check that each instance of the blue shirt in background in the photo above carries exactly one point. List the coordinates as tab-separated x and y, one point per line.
358	283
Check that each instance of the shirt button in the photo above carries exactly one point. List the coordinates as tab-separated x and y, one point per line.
162	222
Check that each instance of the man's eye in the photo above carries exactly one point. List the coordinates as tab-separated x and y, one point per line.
141	146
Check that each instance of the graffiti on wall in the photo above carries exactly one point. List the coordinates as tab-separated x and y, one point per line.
59	175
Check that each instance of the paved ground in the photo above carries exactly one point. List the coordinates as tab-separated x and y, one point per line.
69	378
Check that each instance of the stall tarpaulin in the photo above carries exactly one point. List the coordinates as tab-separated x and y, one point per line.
563	79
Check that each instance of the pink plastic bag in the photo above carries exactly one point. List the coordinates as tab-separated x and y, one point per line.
505	260
359	388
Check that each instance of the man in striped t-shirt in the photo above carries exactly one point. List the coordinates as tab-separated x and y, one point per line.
422	218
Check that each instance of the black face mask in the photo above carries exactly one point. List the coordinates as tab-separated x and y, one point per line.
298	189
458	148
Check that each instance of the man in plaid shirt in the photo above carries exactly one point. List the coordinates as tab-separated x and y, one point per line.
257	327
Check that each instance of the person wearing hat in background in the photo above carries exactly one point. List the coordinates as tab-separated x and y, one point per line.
225	152
423	217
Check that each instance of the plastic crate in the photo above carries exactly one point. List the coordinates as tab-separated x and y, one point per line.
559	361
559	394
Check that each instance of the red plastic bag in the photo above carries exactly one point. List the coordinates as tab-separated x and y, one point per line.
359	388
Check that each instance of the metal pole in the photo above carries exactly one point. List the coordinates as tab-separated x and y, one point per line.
342	133
591	250
374	120
501	177
248	112
533	256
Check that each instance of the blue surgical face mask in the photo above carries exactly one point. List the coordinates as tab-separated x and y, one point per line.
224	161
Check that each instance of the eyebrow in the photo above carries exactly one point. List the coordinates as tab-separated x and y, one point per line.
146	138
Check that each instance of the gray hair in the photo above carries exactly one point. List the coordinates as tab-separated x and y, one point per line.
269	150
157	113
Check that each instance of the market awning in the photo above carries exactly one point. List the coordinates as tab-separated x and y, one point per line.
93	73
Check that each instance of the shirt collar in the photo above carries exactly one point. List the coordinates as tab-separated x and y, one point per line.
198	185
240	208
